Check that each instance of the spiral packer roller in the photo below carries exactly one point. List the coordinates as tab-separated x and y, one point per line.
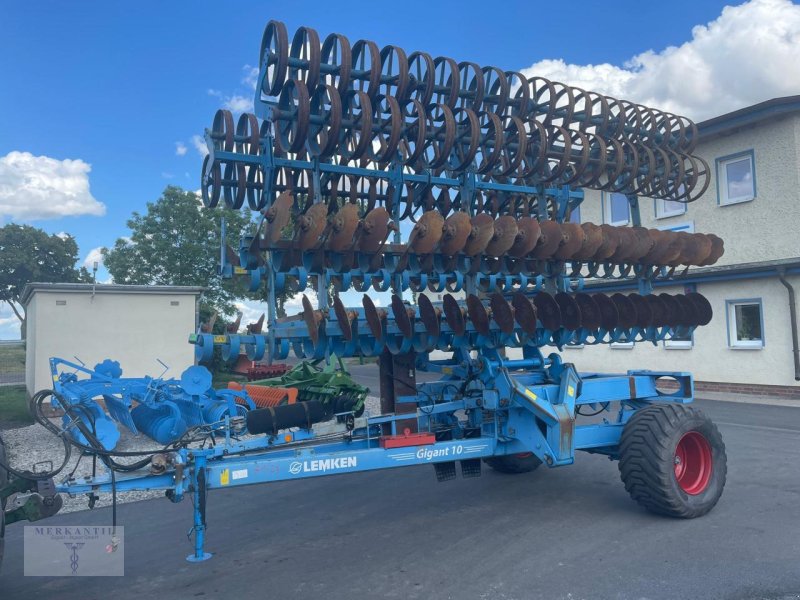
376	170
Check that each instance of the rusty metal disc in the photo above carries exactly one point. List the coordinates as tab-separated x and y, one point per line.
658	309
702	306
428	315
524	312
550	239
591	317
688	313
609	314
661	243
626	246
644	314
311	225
704	247
673	250
374	317
547	310
528	232
611	240
570	312
505	232
673	309
313	319
457	228
593	238
573	236
625	309
502	312
343	228
374	229
343	318
454	315
717	250
642	243
402	318
426	233
481	234
478	314
277	217
690	251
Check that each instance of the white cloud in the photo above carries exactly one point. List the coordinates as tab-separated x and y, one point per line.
40	187
746	55
167	175
251	311
95	256
199	143
9	323
63	235
180	149
250	76
294	305
238	104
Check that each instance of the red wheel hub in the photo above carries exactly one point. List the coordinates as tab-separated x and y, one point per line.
693	463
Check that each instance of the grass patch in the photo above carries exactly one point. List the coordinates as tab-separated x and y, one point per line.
12	358
14	407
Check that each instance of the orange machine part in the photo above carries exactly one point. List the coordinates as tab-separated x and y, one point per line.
264	396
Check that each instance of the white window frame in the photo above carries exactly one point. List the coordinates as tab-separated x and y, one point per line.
663	213
680	344
607	210
730	316
621	345
722	178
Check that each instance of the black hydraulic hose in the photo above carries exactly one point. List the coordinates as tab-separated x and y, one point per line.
792	322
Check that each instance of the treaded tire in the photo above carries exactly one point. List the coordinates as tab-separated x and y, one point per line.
649	453
513	463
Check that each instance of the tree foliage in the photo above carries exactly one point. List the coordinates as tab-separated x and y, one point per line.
176	242
28	254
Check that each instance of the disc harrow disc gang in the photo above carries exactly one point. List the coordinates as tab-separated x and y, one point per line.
457	228
550	240
277	218
344	318
524	313
528	232
343	226
426	233
548	311
403	316
502	312
429	315
375	318
374	230
454	315
481	234
478	315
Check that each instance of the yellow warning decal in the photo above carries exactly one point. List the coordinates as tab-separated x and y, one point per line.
530	394
447	370
225	477
55	377
219	339
240	270
570	390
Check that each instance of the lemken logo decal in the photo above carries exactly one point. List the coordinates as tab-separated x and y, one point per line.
323	464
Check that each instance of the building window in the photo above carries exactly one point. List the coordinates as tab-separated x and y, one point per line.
575	215
745	324
736	178
670	208
616	210
621	345
680	342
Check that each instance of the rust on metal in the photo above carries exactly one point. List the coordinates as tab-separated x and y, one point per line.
626	310
344	318
524	312
311	225
550	239
481	234
276	218
313	319
454	315
502	312
374	316
457	228
528	232
505	232
593	238
609	314
403	316
374	230
478	314
429	315
573	237
426	233
658	310
343	228
644	314
590	311
570	312
548	311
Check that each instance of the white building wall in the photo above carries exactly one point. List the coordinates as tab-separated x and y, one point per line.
132	328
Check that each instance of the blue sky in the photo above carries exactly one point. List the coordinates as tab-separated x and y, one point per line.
115	86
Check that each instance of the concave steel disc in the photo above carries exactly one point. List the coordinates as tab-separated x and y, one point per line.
481	234
573	237
374	229
609	315
661	243
374	317
673	310
611	240
642	243
311	225
343	318
673	250
478	314
426	233
570	312
690	252
502	312
457	228
428	315
590	311
658	309
688	313
644	315
313	319
505	232
277	217
626	310
702	306
343	228
547	310
454	315
549	240
626	247
524	312
527	237
402	318
717	250
593	238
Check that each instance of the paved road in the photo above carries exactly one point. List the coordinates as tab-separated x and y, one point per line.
562	533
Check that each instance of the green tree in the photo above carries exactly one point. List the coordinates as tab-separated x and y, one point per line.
29	254
176	242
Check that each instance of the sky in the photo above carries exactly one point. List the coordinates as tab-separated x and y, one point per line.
104	104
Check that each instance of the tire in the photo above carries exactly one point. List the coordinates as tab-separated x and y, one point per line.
672	460
513	463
